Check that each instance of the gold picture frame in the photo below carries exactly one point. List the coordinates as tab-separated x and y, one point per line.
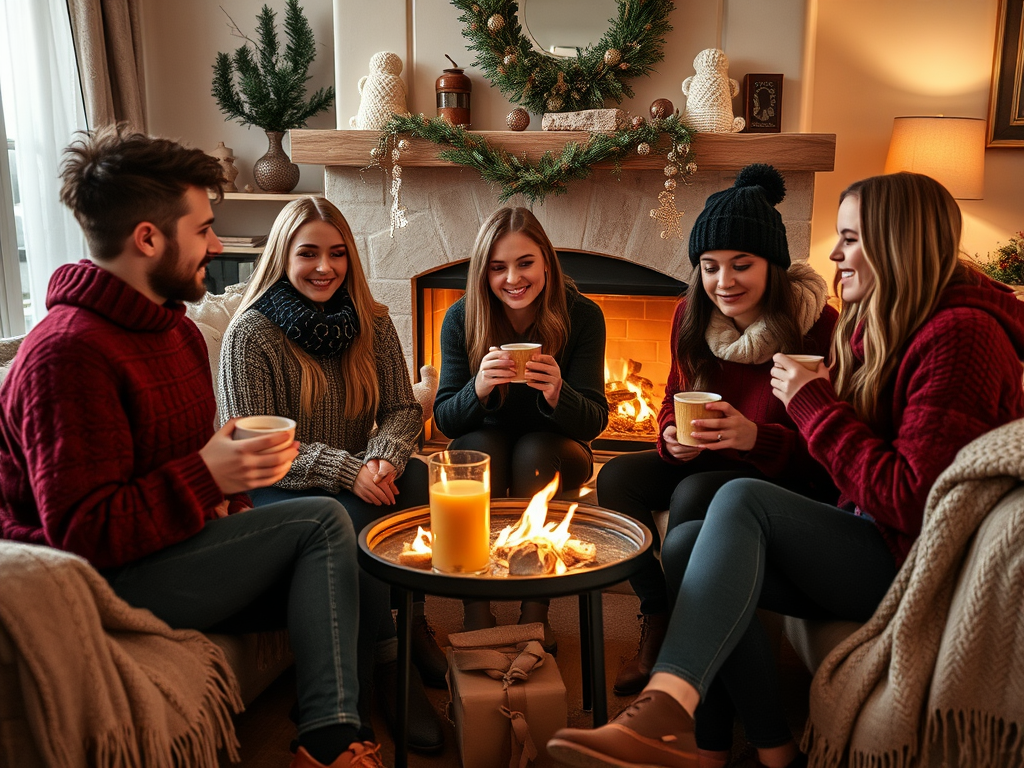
1006	103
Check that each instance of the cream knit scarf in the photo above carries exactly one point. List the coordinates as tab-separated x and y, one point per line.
756	345
940	665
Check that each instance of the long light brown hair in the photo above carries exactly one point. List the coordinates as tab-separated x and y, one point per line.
358	366
487	324
910	235
695	358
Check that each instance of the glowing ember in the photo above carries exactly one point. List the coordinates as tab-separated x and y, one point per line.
532	546
631	403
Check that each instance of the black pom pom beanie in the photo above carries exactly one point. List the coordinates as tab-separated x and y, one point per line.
744	218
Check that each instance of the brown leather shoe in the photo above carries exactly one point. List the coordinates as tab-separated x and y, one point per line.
636	673
364	754
652	731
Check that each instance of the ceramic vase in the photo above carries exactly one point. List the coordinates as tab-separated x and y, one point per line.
275	172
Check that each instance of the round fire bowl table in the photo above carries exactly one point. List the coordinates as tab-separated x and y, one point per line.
620	542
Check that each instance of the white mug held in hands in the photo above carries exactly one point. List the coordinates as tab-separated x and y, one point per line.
261	426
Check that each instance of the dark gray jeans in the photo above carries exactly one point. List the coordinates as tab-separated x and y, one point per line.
290	565
760	546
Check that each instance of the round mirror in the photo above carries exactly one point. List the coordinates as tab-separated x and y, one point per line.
559	27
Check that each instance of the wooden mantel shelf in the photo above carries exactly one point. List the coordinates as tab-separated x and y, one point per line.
714	151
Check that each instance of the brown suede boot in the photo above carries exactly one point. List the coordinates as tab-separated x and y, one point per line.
358	755
635	673
654	730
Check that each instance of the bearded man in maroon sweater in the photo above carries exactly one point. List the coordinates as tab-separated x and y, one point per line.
108	448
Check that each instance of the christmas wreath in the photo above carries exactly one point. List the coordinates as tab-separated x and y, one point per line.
542	83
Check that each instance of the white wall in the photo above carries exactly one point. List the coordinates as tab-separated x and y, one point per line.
879	59
752	32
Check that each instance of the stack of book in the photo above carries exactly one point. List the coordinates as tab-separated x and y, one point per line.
244	241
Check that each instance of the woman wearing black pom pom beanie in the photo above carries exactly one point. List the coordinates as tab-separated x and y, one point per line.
746	302
927	358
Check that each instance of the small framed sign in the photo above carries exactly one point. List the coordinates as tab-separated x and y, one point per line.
762	103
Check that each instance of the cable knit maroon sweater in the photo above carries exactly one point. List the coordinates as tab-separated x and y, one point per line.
959	377
102	415
779	451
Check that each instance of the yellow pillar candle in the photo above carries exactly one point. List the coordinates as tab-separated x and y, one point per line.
460	522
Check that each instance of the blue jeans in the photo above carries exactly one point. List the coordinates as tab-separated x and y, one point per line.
291	565
760	546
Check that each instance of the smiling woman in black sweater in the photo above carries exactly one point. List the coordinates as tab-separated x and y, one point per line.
516	292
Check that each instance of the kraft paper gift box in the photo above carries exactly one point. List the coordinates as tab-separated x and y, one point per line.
508	698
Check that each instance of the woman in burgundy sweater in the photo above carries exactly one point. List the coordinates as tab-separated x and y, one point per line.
749	303
927	358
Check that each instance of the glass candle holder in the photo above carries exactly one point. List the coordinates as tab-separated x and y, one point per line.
460	511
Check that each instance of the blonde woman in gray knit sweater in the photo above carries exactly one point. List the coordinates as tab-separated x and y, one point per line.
309	342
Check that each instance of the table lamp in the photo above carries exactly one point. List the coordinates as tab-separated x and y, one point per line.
949	149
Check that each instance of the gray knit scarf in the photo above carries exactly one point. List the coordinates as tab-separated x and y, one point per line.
322	333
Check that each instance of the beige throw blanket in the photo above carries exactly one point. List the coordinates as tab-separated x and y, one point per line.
106	684
940	666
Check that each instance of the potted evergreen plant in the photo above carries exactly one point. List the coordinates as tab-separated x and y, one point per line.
271	89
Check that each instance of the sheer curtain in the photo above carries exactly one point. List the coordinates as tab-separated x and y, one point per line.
42	103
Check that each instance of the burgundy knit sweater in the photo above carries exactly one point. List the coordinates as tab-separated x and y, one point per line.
779	451
959	377
102	415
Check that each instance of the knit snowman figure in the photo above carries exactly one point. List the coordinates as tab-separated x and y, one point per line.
382	92
709	94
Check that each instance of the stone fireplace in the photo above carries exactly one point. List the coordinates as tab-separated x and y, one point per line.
604	215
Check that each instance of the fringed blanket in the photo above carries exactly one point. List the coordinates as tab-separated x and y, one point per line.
940	666
106	684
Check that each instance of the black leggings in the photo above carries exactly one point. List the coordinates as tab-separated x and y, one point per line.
523	464
637	484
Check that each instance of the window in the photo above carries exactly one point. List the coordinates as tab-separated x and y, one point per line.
42	107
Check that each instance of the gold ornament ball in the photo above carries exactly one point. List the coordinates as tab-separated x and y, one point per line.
638	122
671	170
612	57
683	149
496	23
670	184
518	119
643	148
691	168
661	108
403	144
554	104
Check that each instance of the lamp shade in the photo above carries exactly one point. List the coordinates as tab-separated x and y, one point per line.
949	149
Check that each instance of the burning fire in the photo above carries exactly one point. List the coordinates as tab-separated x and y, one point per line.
532	546
631	401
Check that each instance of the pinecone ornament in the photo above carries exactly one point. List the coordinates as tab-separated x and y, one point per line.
496	23
518	119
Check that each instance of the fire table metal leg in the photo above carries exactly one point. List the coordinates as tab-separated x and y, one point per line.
597	681
404	649
585	651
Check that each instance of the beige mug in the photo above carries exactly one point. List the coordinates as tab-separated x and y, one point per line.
261	426
690	406
810	362
521	354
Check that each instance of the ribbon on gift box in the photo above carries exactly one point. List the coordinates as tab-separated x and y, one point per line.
509	654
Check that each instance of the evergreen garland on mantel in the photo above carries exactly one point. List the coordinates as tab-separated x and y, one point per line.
542	83
551	174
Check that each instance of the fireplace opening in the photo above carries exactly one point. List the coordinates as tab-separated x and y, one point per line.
637	303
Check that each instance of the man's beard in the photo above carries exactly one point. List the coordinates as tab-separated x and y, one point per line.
169	280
